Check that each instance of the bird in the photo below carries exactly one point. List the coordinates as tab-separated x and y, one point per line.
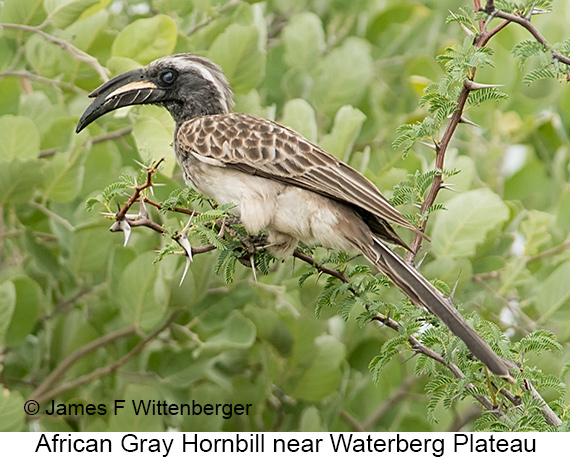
280	182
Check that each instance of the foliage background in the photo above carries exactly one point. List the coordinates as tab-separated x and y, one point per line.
346	75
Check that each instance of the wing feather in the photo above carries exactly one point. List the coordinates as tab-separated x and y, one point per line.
261	147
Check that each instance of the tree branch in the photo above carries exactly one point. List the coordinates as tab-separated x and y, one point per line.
104	370
75	356
75	52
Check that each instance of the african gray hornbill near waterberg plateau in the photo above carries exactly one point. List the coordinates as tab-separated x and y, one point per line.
279	181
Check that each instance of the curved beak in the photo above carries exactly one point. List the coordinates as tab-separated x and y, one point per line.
130	88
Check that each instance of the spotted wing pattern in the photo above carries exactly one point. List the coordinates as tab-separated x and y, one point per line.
261	147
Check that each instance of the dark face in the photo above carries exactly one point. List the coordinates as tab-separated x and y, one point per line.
186	85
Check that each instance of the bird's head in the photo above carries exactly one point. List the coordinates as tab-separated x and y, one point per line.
186	85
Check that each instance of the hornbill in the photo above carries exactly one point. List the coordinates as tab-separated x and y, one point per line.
278	180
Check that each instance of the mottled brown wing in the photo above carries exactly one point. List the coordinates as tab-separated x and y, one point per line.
261	147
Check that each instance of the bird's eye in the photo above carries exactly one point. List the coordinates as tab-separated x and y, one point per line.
167	77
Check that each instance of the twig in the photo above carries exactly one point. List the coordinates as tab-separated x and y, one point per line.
75	356
546	411
107	369
208	20
75	52
54	82
350	420
402	392
524	22
455	370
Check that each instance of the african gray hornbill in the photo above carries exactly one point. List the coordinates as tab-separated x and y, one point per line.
279	181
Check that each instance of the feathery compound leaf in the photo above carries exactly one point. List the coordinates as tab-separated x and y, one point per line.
538	341
463	17
113	190
483	95
389	350
169	249
527	49
540	73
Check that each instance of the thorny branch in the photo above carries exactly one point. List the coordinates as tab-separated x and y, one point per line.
441	147
469	85
415	344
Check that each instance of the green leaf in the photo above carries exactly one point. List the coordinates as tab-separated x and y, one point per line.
304	40
238	51
554	291
535	230
145	40
19	179
20	138
347	124
154	141
126	420
62	13
300	116
143	292
63	177
7	305
342	76
12	415
26	310
321	377
238	332
469	217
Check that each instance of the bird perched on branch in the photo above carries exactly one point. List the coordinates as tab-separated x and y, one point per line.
279	181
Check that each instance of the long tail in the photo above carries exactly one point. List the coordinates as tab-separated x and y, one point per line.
422	293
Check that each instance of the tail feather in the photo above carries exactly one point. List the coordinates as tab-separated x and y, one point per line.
422	293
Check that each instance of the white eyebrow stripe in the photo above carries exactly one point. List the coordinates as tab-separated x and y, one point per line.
210	77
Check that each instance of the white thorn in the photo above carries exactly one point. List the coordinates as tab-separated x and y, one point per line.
472	85
122	226
448	187
429	145
468	122
185	244
186	267
252	262
126	227
143	212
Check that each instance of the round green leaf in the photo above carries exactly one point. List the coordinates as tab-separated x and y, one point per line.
63	13
154	141
323	374
554	291
127	419
347	124
304	40
146	39
26	310
237	50
12	414
342	76
465	224
300	116
142	295
19	179
7	305
20	138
